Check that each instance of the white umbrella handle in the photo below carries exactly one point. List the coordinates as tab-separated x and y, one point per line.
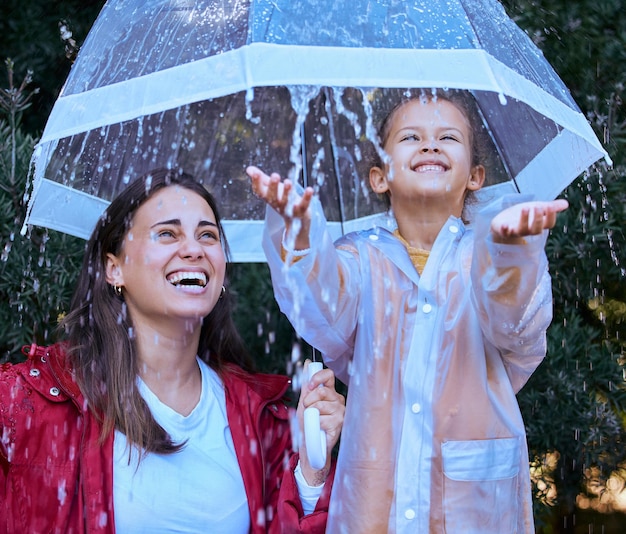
314	436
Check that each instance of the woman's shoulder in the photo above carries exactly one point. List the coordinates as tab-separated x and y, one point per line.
45	369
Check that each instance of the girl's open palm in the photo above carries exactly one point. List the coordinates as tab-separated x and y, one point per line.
527	218
280	195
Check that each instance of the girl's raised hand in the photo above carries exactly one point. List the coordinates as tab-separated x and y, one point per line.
280	195
528	218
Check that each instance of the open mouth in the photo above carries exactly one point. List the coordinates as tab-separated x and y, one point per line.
430	167
187	278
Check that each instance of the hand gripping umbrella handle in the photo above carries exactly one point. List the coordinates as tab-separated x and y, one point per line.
314	436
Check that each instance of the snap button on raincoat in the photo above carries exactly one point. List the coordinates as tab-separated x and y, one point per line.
433	439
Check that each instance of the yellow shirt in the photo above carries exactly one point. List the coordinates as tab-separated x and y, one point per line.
418	256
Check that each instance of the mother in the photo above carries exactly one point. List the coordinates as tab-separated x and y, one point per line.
148	417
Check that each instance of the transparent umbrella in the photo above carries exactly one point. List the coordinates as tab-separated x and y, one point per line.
293	86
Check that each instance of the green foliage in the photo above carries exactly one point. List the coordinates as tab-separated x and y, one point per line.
37	271
572	408
30	35
266	330
582	39
574	404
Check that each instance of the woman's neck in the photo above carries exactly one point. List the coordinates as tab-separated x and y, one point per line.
168	366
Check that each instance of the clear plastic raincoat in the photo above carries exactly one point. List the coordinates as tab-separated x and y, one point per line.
433	439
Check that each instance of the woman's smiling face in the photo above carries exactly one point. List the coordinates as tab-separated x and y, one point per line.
172	264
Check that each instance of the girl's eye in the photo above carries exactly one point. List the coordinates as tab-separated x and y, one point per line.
410	137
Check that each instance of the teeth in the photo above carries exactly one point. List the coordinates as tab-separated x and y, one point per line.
430	168
187	278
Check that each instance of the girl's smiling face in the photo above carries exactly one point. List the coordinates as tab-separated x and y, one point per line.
172	264
429	144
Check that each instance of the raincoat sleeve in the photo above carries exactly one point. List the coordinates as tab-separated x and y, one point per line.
319	293
512	292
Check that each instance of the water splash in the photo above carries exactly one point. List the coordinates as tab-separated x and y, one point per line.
301	96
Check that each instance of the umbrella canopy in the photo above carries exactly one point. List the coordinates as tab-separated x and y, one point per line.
293	86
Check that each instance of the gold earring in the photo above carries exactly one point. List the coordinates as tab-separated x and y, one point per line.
223	292
117	289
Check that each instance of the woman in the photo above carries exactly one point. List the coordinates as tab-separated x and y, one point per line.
148	417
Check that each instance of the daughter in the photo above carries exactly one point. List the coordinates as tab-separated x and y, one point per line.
435	327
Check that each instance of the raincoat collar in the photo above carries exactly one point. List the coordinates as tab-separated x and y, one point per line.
384	240
54	359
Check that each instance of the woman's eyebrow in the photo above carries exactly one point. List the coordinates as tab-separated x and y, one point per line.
175	222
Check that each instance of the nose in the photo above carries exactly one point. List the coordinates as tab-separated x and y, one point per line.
190	248
430	145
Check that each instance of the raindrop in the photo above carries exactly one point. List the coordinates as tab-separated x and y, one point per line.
254	447
260	520
5	252
249	99
102	520
295	353
62	492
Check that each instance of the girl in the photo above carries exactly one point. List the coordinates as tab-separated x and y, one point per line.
434	327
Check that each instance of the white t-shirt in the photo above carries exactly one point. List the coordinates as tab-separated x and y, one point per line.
199	489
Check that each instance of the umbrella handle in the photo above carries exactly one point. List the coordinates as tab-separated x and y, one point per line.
314	436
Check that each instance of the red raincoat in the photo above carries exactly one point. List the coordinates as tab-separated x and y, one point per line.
56	477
